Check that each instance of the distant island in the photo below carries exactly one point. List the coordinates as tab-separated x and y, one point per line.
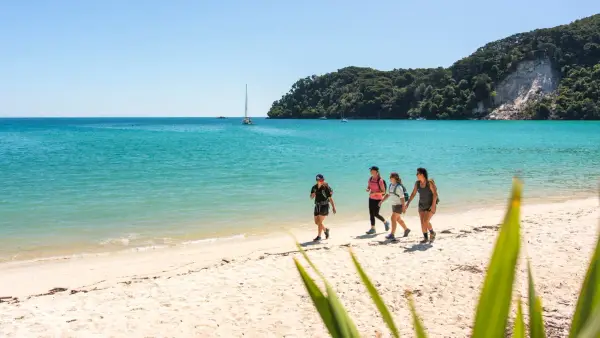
551	73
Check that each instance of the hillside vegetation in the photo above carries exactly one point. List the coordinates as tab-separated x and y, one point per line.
466	90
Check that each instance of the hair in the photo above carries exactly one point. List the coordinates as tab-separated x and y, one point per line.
397	177
423	172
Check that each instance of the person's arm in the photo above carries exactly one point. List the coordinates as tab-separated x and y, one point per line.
412	195
385	197
434	191
331	200
312	193
332	204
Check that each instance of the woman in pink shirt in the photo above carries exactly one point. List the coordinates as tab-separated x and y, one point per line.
376	189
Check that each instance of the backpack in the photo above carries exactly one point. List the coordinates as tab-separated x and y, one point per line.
384	185
436	189
403	190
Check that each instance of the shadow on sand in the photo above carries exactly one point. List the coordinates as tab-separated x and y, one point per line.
367	236
418	247
310	243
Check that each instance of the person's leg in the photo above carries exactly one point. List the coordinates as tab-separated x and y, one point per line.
422	215
377	209
403	225
372	212
317	222
394	219
373	205
400	221
321	219
428	225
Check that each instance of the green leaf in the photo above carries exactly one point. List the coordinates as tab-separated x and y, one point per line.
319	300
385	313
419	329
592	327
589	296
536	322
519	330
494	303
301	249
345	324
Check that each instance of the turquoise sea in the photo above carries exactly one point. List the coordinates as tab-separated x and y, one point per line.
98	184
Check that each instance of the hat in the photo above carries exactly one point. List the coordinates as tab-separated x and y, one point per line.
376	168
320	177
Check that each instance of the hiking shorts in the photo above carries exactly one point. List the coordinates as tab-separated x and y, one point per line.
397	208
321	210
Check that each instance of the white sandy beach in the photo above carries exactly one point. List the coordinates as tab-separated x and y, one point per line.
250	287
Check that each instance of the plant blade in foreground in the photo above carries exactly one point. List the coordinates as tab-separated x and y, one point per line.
319	300
419	329
519	330
589	296
536	322
385	313
494	303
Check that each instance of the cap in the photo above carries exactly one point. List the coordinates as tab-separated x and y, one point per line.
376	168
320	177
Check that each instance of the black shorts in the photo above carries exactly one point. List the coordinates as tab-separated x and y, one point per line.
397	208
424	208
321	210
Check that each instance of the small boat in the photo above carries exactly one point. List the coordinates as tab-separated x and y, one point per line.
221	117
322	118
246	119
421	119
344	120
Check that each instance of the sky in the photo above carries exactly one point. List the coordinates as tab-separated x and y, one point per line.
194	58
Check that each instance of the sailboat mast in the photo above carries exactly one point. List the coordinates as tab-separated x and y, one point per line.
246	107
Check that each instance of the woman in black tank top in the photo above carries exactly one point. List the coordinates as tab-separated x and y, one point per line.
427	202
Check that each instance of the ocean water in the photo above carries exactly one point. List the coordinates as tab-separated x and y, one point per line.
89	185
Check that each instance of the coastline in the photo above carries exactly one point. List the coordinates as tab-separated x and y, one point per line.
254	278
130	244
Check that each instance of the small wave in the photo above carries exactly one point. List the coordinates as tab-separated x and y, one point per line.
211	240
147	248
121	240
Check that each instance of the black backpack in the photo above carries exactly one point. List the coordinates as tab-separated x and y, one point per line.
384	185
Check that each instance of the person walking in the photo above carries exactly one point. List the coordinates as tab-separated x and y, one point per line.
322	194
428	199
377	189
398	197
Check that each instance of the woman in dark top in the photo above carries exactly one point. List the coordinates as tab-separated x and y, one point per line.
322	194
427	202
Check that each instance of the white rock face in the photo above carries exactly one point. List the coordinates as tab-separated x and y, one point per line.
531	81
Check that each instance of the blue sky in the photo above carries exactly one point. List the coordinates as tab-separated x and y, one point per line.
193	58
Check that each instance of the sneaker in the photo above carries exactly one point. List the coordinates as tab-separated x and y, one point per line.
318	238
387	225
326	233
371	232
432	236
391	237
406	232
424	241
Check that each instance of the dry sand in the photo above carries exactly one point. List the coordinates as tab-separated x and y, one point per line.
250	287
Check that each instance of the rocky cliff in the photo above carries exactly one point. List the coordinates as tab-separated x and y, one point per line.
532	81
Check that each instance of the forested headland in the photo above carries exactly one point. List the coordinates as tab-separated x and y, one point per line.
469	89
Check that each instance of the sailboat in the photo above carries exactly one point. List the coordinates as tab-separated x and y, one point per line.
246	119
